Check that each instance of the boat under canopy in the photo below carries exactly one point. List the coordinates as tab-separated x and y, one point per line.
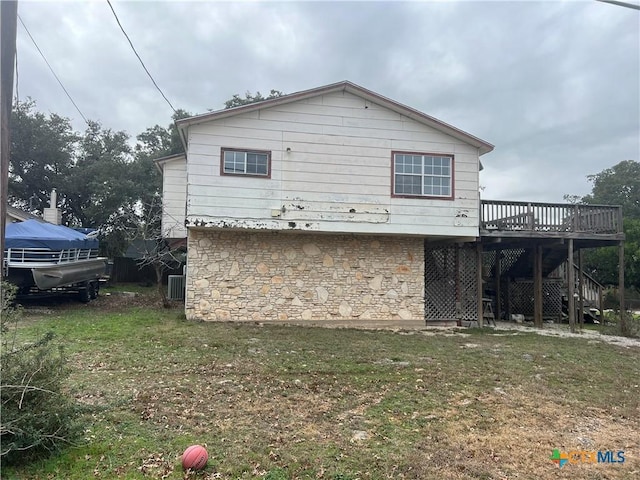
50	256
37	234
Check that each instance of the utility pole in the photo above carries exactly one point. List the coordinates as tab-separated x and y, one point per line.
8	26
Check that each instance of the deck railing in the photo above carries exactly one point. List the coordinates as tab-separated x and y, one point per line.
499	215
31	257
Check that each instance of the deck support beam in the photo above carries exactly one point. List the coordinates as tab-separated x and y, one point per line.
479	281
623	320
580	290
537	285
571	301
498	286
601	306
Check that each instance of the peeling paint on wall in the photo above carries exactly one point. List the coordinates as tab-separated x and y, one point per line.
335	212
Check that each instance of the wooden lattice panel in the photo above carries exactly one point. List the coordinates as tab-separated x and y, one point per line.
488	263
468	283
509	258
440	283
521	297
451	283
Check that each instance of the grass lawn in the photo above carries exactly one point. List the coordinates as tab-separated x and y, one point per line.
280	402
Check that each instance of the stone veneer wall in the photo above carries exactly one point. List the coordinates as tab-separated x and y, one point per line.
285	276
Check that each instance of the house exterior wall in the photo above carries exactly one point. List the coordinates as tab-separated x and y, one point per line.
174	198
234	275
330	172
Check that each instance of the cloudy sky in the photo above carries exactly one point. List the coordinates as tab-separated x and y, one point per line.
555	86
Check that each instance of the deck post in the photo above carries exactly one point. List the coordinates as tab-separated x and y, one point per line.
581	289
537	285
623	320
498	286
571	301
479	281
600	305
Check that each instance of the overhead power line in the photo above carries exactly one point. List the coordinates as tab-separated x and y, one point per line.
51	68
621	4
140	59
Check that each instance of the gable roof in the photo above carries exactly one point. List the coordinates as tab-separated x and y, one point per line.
344	86
162	161
20	215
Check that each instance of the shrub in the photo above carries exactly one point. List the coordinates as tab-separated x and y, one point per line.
38	417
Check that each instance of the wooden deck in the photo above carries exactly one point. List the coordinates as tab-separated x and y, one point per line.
527	240
550	220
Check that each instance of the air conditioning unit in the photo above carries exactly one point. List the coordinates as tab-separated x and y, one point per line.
176	287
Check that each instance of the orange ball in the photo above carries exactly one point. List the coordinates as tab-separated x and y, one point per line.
195	457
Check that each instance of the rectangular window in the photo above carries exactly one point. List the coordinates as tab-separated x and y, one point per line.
253	163
422	175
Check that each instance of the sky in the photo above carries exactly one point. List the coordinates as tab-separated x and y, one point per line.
554	85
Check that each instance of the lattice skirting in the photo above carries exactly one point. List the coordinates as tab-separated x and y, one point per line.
521	297
451	289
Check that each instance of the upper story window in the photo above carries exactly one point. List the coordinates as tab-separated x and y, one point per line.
254	163
422	175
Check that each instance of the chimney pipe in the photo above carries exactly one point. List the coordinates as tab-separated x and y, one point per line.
53	214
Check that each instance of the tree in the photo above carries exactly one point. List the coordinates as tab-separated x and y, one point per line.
155	142
38	414
100	184
159	141
602	263
42	155
618	185
143	227
237	101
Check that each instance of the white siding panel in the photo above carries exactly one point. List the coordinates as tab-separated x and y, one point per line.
465	176
204	138
322	139
271	125
430	230
174	198
342	111
345	99
308	118
338	168
356	131
333	149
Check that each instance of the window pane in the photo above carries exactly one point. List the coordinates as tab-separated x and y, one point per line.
250	163
408	185
263	166
234	162
408	164
423	175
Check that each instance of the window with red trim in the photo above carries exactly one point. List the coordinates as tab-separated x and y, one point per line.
422	175
246	162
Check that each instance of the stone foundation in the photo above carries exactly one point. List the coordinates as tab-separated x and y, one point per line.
283	276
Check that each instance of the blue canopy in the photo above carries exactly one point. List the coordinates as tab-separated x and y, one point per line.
37	234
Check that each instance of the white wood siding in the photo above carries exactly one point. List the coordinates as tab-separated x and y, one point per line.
174	198
336	177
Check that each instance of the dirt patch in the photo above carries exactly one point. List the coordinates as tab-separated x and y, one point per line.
556	330
106	302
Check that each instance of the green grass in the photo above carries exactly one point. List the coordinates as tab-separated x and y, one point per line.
280	402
